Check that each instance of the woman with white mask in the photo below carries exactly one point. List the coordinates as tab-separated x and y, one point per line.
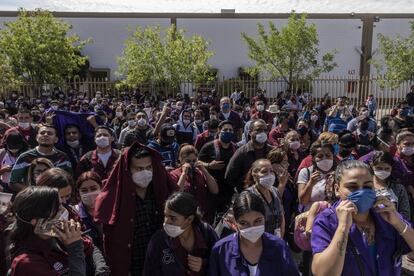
250	251
184	244
312	180
260	180
387	186
88	186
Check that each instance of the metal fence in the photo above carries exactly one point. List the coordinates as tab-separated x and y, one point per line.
355	88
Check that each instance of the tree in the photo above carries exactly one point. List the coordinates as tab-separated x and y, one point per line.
397	57
38	49
150	55
290	53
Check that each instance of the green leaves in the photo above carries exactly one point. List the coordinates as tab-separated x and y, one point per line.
290	53
150	55
37	49
397	58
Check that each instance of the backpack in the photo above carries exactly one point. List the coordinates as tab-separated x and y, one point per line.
300	235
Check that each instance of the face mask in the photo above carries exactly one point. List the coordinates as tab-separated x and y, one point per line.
89	198
54	107
302	130
172	230
186	121
336	149
198	121
345	152
382	174
73	144
179	107
24	125
407	151
363	126
41	109
226	137
252	233
142	178
225	107
102	141
119	114
363	199
131	123
340	108
267	181
365	113
167	140
325	164
260	108
314	118
214	117
142	122
294	145
261	138
404	112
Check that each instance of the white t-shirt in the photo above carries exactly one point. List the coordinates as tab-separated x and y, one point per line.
318	190
252	270
105	157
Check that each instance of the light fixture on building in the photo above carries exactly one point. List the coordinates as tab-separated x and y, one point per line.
228	10
376	18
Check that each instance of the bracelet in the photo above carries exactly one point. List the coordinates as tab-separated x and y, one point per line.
405	230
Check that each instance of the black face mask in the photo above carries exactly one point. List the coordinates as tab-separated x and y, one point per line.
363	126
302	130
167	140
345	152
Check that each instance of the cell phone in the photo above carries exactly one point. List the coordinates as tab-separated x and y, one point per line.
384	193
45	227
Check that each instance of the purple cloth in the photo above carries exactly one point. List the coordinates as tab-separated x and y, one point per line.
64	118
387	241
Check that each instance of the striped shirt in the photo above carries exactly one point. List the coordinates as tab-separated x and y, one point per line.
20	169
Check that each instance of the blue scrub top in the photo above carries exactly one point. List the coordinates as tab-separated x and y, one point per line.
226	258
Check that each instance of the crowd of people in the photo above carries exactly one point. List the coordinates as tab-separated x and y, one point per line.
155	184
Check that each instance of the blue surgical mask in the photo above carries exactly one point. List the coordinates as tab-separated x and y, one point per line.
226	106
336	149
226	137
363	199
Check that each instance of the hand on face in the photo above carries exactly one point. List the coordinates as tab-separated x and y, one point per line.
387	210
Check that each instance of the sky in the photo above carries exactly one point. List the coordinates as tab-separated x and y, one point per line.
215	6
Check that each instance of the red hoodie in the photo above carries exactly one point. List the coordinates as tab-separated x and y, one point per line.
115	208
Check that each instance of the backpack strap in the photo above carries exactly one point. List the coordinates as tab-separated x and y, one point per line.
357	257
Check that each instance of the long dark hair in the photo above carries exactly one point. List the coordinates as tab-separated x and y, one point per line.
246	202
184	204
32	203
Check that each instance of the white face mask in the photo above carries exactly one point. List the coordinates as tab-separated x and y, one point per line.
267	181
260	107
172	230
142	178
325	164
253	234
365	113
102	141
261	138
142	122
294	145
89	198
314	118
213	117
131	123
119	114
24	125
73	144
382	174
186	122
408	151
